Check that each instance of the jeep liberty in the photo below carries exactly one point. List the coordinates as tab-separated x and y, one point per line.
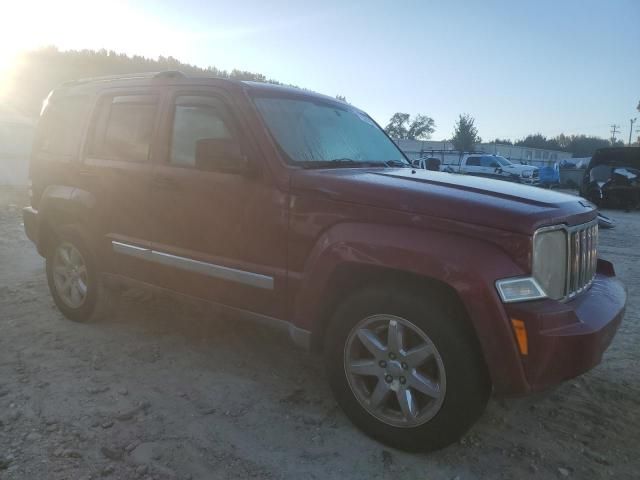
425	291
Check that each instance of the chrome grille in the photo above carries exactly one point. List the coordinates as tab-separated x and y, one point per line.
583	257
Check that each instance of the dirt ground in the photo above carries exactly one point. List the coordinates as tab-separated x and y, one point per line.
166	390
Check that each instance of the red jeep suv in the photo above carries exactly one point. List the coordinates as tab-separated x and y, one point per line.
426	291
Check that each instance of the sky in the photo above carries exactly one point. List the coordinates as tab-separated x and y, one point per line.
518	67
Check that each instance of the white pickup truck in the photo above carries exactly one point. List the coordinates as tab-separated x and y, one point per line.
494	166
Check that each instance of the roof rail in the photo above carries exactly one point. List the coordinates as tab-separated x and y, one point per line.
126	76
170	74
107	78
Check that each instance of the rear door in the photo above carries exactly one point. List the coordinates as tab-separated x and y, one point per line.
219	231
116	171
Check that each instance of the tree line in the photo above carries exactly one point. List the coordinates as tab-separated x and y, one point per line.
39	71
465	137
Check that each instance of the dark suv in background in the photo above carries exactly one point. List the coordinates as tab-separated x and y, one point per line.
612	178
426	291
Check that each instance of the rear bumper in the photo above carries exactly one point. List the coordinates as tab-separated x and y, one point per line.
568	339
30	218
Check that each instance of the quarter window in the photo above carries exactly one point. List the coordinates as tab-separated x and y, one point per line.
61	126
196	118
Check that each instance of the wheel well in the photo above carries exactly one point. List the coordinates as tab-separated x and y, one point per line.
349	278
53	220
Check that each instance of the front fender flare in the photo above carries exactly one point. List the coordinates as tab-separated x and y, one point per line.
468	265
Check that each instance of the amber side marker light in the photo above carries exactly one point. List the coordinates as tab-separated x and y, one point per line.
521	335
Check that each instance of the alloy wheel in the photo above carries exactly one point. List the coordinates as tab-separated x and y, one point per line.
394	370
70	275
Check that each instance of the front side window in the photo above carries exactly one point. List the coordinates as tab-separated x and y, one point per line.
313	132
489	162
196	118
124	127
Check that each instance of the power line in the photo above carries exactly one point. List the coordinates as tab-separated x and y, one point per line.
614	130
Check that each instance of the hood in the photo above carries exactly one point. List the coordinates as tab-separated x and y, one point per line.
469	199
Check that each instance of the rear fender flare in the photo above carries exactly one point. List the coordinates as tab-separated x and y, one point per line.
62	205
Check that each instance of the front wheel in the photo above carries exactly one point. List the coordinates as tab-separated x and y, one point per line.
405	368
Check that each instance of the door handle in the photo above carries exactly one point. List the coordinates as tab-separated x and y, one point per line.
165	182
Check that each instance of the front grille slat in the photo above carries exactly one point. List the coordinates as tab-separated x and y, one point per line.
576	262
583	258
583	251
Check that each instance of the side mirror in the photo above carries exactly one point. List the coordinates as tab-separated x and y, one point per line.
221	155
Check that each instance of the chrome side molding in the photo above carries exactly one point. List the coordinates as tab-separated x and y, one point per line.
210	269
131	250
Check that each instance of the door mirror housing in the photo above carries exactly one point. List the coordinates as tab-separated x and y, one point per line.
221	155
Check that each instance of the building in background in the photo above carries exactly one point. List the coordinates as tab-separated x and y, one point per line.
415	149
16	135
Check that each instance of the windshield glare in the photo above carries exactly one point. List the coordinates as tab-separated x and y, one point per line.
308	130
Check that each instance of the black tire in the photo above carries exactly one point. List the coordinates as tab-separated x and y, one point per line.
468	385
96	301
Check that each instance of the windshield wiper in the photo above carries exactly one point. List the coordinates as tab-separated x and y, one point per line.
339	163
396	163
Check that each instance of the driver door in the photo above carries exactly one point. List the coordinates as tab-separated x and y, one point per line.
219	230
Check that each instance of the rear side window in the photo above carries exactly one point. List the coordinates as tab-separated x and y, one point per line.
61	127
473	161
123	128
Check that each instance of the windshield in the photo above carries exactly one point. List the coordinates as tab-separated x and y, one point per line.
313	132
502	161
601	173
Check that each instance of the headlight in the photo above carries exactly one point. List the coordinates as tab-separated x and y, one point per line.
527	173
549	270
549	265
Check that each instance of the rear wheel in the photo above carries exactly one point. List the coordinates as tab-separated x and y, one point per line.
73	277
405	368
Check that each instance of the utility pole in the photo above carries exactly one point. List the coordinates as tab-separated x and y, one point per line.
614	130
631	121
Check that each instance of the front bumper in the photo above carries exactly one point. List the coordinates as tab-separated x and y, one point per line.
30	218
530	180
568	339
